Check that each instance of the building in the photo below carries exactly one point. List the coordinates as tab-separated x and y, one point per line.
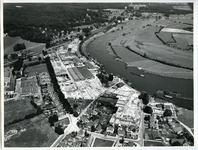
156	136
9	85
121	132
110	129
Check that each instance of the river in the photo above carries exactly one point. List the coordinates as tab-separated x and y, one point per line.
149	83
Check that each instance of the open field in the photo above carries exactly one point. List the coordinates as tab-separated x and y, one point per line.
166	37
180	26
187	16
38	133
184	21
150	45
10	42
182	40
37	68
187	117
179	31
161	69
153	143
184	7
165	22
102	143
14	110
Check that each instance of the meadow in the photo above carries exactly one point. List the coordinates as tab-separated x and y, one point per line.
14	110
10	42
38	133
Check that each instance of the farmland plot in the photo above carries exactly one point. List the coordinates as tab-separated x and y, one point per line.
14	110
166	37
181	40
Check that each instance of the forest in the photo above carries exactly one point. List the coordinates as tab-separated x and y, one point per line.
37	22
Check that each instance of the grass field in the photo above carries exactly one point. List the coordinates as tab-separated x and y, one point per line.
152	143
164	22
37	68
181	40
180	26
17	110
38	133
187	117
166	37
164	70
187	16
102	143
154	48
185	21
10	42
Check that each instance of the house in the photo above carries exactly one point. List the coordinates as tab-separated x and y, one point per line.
99	129
84	118
89	125
121	132
178	130
81	133
110	129
177	142
156	135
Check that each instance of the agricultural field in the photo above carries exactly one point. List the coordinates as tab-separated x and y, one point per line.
10	42
184	7
187	117
102	143
173	30
37	133
180	26
161	69
184	21
166	37
153	143
37	68
165	22
183	40
14	110
187	16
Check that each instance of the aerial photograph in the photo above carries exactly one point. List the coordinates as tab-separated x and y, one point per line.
98	74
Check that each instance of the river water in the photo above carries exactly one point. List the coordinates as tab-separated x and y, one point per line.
150	83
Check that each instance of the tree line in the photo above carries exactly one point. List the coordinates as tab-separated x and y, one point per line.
63	100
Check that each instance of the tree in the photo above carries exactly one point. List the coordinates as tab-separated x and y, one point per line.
39	58
145	99
167	113
148	110
86	134
75	106
93	129
55	117
147	118
81	37
59	129
19	46
51	121
47	44
122	141
75	114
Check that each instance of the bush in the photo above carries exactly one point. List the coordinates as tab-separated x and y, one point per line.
148	110
19	46
167	113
